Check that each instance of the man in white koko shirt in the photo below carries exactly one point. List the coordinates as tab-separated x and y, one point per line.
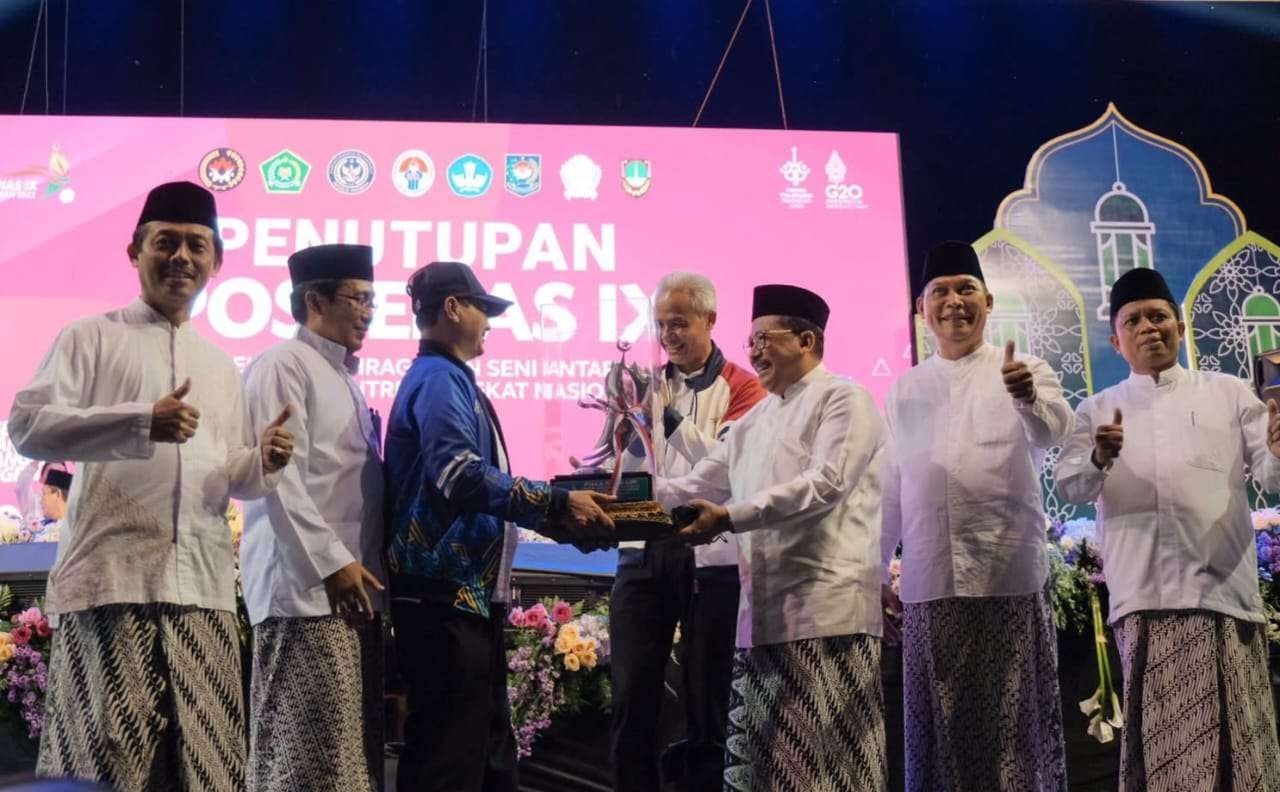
1164	455
968	430
144	681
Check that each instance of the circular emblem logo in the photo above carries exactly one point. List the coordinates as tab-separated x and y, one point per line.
413	173
222	169
351	171
470	176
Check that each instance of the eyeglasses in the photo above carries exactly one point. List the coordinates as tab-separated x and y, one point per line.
757	342
364	302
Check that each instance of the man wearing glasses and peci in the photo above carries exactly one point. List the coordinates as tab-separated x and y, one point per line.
311	557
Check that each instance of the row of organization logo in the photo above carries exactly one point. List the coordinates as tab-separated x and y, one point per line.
413	174
352	172
839	193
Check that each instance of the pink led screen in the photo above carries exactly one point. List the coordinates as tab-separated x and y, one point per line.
575	224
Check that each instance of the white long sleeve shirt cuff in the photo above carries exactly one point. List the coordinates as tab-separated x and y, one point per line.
744	516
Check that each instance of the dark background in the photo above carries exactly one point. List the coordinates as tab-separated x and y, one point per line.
972	86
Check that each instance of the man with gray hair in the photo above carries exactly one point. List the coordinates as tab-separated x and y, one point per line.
662	584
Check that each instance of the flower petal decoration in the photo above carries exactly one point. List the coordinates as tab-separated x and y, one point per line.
562	612
1092	704
1117	714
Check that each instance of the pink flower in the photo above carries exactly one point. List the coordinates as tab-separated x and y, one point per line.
43	629
516	617
549	630
30	616
562	612
21	635
536	616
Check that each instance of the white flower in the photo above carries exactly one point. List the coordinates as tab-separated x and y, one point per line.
1093	703
1117	714
1101	728
1101	731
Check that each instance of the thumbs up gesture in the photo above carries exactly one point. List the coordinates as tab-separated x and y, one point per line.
1109	438
277	442
172	419
1017	377
1273	427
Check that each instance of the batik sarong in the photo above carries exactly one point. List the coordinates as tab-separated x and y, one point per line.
316	705
981	707
1197	702
807	716
146	697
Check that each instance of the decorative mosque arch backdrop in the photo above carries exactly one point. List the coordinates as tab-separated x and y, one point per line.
1096	203
1232	311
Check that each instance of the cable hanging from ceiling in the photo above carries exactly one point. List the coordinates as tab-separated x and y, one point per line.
40	41
773	50
482	66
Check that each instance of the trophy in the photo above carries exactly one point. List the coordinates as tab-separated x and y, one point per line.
623	462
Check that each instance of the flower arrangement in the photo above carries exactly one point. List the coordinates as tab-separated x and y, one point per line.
11	528
235	524
25	639
1076	587
1078	584
1266	526
1075	565
1103	707
556	664
892	613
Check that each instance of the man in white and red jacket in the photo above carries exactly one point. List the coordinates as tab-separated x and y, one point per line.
662	584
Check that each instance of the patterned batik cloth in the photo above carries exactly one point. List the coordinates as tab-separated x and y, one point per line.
316	705
146	697
981	707
1197	703
807	716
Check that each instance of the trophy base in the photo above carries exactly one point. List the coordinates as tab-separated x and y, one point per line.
636	517
642	521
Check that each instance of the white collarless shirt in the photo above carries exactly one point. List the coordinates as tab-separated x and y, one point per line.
800	475
962	485
693	440
1173	508
146	522
327	510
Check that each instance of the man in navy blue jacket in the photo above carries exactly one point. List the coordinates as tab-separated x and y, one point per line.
453	511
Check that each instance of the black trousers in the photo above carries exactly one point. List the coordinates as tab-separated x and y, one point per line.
654	590
710	629
457	737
